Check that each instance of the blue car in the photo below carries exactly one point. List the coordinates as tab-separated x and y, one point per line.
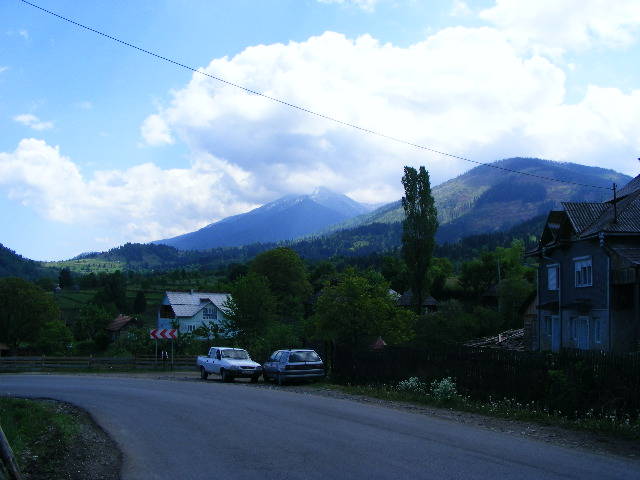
293	365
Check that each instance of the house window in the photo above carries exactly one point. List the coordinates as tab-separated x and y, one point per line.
209	313
583	271
574	328
552	277
547	325
190	328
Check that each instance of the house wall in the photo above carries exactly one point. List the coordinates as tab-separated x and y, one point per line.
573	324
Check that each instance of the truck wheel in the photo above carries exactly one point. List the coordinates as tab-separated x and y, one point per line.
203	373
225	376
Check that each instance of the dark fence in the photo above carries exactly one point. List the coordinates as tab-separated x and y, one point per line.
568	381
47	363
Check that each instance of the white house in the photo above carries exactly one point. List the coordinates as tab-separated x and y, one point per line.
191	310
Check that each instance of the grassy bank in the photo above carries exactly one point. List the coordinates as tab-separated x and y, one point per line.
39	434
444	395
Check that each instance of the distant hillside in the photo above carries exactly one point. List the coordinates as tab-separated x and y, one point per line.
284	219
14	265
487	199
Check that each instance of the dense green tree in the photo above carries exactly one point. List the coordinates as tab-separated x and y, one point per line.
418	229
55	338
112	292
288	281
140	302
25	309
91	321
358	308
65	279
251	307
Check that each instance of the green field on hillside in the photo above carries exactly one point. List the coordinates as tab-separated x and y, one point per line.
88	265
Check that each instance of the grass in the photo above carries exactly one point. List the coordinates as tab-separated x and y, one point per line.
88	265
607	422
38	433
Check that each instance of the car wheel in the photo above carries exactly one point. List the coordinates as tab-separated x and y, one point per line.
254	379
203	373
280	379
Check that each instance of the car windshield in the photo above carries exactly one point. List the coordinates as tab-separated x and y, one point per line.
304	357
235	354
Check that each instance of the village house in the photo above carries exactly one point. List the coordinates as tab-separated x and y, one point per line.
121	324
190	310
588	276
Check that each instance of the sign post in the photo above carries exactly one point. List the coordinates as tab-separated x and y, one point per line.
164	334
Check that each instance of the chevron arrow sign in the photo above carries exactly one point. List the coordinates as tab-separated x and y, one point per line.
163	333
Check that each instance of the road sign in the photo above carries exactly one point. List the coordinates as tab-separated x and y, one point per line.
163	333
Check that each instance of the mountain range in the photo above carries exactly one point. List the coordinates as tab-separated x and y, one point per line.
283	219
485	199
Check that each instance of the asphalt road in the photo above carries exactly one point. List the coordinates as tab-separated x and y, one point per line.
209	430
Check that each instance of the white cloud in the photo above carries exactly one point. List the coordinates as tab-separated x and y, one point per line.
155	131
32	121
368	5
460	9
468	91
560	25
84	105
24	34
141	203
3	69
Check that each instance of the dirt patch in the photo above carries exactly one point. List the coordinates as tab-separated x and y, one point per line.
90	455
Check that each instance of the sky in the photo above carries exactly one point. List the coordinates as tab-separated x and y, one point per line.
101	144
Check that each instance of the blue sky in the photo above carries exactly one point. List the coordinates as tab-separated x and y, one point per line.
100	144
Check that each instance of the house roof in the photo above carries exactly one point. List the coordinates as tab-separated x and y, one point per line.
406	300
119	322
187	304
583	214
632	186
630	254
624	218
509	340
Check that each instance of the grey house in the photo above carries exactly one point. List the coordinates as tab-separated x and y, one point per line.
589	276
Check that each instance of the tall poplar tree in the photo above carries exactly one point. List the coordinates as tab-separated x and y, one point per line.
419	229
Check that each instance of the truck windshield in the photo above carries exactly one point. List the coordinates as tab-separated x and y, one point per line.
235	354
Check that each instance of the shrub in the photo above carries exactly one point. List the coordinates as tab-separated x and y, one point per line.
444	391
413	385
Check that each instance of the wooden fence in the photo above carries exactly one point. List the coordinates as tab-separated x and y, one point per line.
142	362
572	379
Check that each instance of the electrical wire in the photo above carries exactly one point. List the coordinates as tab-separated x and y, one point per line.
306	110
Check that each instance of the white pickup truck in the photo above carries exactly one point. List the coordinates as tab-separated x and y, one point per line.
229	363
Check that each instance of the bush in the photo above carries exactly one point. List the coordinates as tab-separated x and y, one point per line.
413	385
444	391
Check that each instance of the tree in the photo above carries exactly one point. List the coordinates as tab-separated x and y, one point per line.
358	308
55	338
419	229
140	303
251	307
91	322
64	278
288	281
25	310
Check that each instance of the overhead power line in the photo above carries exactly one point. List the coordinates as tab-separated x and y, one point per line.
306	110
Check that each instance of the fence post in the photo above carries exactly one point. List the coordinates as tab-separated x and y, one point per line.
8	458
42	362
90	361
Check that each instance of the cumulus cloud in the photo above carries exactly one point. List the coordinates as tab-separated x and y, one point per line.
468	91
32	121
568	24
368	5
3	69
141	203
